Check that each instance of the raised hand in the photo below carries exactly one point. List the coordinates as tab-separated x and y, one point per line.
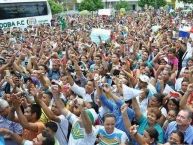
133	130
124	108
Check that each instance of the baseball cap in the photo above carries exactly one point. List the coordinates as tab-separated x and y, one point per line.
144	78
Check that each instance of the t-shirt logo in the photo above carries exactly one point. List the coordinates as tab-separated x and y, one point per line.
108	141
77	131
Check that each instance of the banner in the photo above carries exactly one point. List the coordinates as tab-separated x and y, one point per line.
96	34
104	12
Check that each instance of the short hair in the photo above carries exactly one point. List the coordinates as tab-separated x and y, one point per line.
49	140
159	97
153	133
36	108
156	111
52	125
108	115
190	115
180	134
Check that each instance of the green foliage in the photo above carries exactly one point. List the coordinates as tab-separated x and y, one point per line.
91	5
123	4
187	1
55	7
153	3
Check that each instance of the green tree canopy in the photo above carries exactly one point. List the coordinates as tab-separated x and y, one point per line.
187	1
91	5
55	7
123	4
153	3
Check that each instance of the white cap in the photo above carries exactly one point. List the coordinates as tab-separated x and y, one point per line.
3	104
144	78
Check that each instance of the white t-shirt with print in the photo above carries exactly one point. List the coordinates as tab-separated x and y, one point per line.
62	132
78	135
116	138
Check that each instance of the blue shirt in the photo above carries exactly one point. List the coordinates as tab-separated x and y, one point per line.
115	109
12	126
2	141
143	125
188	134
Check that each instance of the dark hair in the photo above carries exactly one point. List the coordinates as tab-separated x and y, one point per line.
49	140
175	101
153	133
52	125
44	66
49	94
159	97
108	115
36	108
180	134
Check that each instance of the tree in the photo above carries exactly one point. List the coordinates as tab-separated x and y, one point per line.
187	1
153	3
55	7
91	5
123	4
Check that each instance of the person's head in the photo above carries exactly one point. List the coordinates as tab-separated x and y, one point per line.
4	108
109	122
90	86
56	65
145	55
55	109
171	52
186	73
44	139
143	81
51	128
184	118
115	58
42	68
150	135
84	58
177	137
171	116
33	112
165	75
172	104
16	77
184	85
97	59
156	100
190	62
47	97
153	113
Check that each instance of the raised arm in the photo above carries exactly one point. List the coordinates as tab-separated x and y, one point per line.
85	120
47	111
135	135
14	136
23	120
126	120
183	101
136	108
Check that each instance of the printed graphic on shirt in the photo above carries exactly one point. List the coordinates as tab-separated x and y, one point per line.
108	141
77	131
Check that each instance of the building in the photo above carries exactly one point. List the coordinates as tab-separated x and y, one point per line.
112	3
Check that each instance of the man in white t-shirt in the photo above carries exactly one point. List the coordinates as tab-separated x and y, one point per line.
82	132
55	115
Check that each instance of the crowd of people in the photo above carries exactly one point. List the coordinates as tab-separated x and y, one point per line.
58	87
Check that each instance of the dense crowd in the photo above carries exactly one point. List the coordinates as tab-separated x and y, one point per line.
57	87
